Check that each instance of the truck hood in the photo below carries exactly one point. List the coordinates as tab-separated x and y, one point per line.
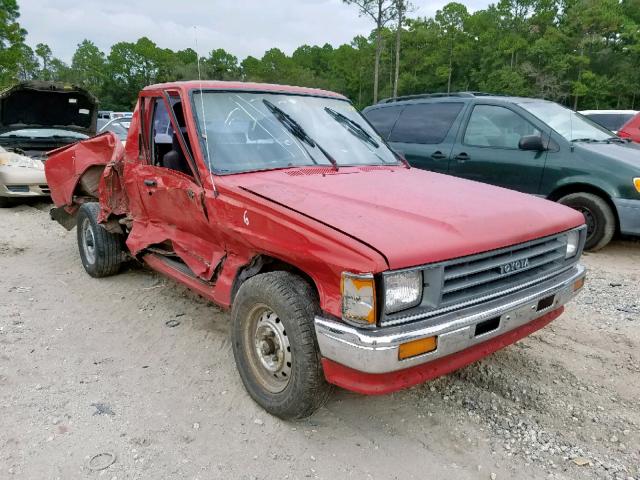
48	105
410	216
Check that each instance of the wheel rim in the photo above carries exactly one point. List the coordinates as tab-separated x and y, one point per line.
88	242
590	220
268	349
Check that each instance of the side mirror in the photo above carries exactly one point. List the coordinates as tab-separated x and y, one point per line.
531	142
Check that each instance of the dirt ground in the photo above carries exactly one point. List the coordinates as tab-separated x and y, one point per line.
89	367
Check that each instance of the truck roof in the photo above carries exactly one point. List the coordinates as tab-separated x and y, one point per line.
189	85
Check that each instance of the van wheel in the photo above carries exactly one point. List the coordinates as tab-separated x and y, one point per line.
601	222
274	345
101	251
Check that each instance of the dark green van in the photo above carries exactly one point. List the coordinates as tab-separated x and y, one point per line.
526	144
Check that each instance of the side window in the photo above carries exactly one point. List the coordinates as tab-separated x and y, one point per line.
426	123
165	146
493	126
383	119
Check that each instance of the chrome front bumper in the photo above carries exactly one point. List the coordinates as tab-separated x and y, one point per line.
376	351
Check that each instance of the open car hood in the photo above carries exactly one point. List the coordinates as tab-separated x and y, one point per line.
48	105
412	217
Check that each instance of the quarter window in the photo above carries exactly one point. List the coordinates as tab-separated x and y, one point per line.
494	126
383	119
426	123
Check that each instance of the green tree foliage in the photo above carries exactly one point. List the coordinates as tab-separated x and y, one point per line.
583	53
12	47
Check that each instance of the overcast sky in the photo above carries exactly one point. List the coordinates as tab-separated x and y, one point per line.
242	27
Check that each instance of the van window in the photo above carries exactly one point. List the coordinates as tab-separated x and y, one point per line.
426	123
383	119
493	126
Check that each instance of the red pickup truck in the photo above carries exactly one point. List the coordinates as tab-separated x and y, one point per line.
341	264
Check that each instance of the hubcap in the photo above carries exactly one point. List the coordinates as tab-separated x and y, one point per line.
88	242
270	354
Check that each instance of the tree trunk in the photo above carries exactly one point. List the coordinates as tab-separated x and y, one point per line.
397	72
450	66
376	68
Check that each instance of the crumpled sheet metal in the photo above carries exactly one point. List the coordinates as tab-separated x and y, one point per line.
65	166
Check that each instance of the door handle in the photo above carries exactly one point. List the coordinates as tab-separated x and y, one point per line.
150	182
462	157
438	155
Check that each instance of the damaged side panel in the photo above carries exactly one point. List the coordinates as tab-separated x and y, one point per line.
171	210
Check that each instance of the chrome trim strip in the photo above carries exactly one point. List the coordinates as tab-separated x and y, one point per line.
376	351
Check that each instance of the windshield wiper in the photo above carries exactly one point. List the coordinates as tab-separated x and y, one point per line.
296	129
588	140
618	140
352	126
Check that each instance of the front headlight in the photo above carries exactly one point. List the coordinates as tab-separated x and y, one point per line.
358	298
10	159
573	243
402	290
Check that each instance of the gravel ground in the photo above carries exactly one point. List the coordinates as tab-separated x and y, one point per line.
94	384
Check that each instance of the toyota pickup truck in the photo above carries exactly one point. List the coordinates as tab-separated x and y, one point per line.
340	264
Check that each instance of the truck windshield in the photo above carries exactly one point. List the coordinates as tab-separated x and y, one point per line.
571	125
241	133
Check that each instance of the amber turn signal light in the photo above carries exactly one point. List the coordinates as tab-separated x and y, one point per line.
417	347
578	284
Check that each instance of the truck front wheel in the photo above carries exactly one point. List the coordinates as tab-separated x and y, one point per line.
600	219
274	344
101	251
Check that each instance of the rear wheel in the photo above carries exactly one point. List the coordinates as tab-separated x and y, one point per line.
600	219
274	345
5	202
101	251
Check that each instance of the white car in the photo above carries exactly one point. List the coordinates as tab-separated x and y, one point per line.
119	126
610	119
37	117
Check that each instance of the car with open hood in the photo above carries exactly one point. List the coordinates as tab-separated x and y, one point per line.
340	263
36	117
526	144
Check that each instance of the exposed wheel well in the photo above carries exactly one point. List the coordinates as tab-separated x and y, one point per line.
263	264
89	181
587	188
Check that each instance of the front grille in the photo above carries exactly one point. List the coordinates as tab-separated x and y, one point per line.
465	281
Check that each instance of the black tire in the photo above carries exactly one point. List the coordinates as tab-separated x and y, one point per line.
5	202
601	221
105	255
293	302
